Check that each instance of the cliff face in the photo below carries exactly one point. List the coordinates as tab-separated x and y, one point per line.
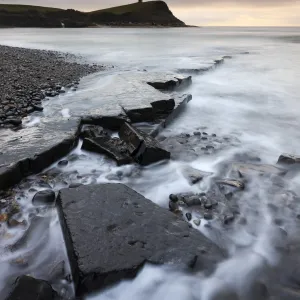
152	13
147	13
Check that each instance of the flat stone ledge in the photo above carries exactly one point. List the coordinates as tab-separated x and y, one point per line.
111	231
32	149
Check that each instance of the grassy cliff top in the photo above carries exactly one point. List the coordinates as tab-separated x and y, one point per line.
156	13
23	8
129	8
118	10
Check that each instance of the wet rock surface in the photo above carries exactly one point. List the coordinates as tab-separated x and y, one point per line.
288	159
193	175
24	83
37	147
142	147
32	149
46	197
125	231
198	71
112	147
188	147
30	288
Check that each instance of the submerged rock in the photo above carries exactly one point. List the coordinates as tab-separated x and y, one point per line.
46	197
37	231
29	288
63	163
194	176
230	186
288	159
257	169
125	231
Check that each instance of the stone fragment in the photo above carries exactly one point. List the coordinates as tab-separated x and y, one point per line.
142	147
288	159
111	232
93	131
231	182
193	175
112	147
197	222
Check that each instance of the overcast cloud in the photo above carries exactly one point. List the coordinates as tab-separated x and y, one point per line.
198	12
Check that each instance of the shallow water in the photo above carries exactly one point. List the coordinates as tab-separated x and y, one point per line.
252	97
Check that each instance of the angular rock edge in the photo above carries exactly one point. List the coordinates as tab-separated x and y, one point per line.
15	172
126	231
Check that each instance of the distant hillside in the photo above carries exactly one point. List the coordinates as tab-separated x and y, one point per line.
151	13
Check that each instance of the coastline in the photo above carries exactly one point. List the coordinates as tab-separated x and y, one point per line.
32	75
111	26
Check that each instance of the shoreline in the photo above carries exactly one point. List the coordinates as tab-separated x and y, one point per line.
110	26
31	75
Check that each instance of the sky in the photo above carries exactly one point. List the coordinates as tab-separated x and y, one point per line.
203	12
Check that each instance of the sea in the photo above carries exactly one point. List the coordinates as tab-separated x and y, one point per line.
253	96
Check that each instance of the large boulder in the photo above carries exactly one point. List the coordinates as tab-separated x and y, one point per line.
29	288
142	147
111	231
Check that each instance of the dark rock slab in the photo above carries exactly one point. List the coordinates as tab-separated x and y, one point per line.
203	69
173	84
142	147
46	197
163	106
125	95
111	231
136	115
32	149
166	118
29	288
107	122
112	147
288	159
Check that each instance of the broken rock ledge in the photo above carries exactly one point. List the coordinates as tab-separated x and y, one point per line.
35	148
